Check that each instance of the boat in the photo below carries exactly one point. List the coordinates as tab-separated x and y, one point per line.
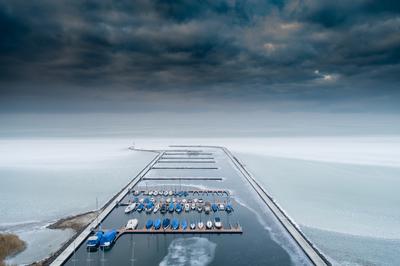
163	208
193	206
157	224
168	200
150	193
166	223
195	200
141	200
130	208
132	224
152	199
149	207
178	208
221	207
171	207
207	208
184	200
149	224
217	223
185	194
173	200
192	225
199	208
156	208
136	192
187	207
200	225
228	208
170	193
180	193
107	239
175	224
209	224
155	193
184	224
200	200
214	207
135	199
146	200
165	193
140	208
93	242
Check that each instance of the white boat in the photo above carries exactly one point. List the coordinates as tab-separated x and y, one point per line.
151	193
153	200
209	224
130	208
200	200
141	200
156	208
187	207
173	200
193	206
195	200
217	223
184	201
221	207
165	193
132	224
168	200
200	225
170	193
155	193
192	225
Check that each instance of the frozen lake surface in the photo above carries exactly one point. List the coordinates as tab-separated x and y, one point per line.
341	190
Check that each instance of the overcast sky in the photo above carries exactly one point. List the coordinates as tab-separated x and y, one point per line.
296	55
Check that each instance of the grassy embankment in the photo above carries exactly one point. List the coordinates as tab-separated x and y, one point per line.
9	245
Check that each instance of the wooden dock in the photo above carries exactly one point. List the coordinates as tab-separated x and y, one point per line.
231	230
182	177
185	168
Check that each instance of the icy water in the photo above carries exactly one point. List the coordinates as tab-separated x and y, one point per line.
44	180
264	241
341	190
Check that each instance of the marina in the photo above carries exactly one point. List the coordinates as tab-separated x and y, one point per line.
162	205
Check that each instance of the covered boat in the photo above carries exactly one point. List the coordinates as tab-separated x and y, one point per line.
166	223
175	224
157	224
93	242
217	223
108	239
184	224
149	224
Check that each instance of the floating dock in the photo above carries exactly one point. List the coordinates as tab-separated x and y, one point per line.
231	230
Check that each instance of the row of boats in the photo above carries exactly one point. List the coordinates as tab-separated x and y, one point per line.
181	193
175	224
164	207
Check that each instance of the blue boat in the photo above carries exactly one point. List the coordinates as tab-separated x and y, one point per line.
175	224
146	200
185	194
140	208
108	239
165	223
180	194
93	242
178	208
157	224
149	223
135	199
163	208
171	207
184	224
229	208
214	207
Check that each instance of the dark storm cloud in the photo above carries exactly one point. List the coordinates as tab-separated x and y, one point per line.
226	48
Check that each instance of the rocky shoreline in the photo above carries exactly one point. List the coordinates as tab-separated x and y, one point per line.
76	222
